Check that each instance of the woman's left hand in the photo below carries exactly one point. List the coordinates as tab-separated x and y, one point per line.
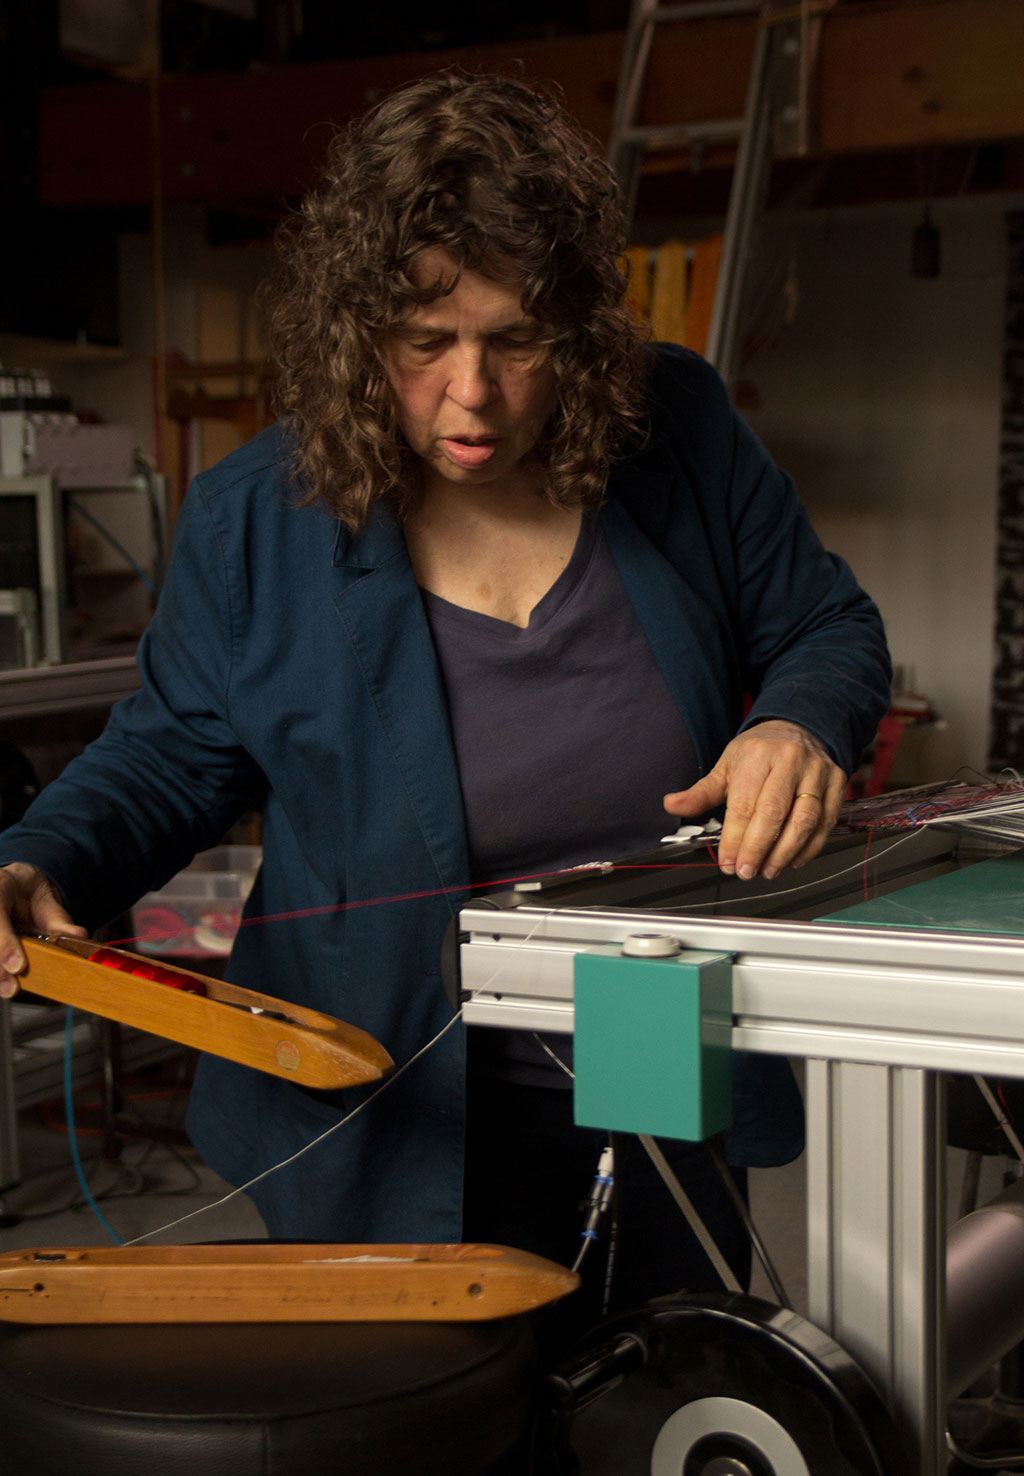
782	794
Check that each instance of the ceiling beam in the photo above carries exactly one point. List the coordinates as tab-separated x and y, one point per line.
945	71
891	74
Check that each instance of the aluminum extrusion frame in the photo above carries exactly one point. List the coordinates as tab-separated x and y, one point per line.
877	1013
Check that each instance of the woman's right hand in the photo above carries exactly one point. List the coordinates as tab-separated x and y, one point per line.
28	904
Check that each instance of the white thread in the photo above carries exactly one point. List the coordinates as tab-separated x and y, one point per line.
1012	804
800	887
243	1188
553	1054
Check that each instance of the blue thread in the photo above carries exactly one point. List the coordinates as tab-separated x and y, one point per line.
69	1114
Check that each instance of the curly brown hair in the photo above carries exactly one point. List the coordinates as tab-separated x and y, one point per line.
493	172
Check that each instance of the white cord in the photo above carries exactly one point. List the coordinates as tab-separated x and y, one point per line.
388	1081
600	1199
553	1054
243	1188
690	1214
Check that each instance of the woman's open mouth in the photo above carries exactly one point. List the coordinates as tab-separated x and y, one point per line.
470	451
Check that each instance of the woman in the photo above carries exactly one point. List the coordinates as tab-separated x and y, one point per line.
489	599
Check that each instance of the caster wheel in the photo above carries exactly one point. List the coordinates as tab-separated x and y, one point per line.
733	1386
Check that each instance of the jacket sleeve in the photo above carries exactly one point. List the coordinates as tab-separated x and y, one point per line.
808	641
813	641
167	777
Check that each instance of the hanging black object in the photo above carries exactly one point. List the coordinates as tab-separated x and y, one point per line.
926	252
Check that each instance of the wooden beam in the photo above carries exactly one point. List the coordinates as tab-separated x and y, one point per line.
256	136
932	72
892	74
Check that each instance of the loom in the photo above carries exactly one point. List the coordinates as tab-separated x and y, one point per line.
880	999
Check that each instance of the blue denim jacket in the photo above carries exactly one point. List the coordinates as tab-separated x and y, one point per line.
289	667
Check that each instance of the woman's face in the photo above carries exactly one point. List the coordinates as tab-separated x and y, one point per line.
472	380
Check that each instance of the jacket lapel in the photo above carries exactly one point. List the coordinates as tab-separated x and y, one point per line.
381	610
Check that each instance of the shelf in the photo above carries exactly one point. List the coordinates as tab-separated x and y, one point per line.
77	684
37	1055
32	1064
25	350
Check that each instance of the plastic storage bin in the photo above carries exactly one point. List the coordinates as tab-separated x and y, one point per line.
197	913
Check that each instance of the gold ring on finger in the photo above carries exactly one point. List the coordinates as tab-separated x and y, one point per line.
807	794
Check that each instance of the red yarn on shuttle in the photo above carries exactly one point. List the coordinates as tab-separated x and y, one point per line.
142	969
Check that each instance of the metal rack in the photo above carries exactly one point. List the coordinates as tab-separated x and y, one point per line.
32	1046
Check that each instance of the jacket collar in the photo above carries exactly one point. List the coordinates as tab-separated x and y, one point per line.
379	541
643	482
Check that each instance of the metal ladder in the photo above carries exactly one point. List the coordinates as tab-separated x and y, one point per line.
630	141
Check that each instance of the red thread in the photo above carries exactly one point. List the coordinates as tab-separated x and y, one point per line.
867	848
173	978
508	881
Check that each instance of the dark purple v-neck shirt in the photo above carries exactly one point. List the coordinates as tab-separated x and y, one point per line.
566	739
565	733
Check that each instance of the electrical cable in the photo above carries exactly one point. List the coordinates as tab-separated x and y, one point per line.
597	1204
611	1255
601	1194
77	1202
1011	1462
69	1110
743	1210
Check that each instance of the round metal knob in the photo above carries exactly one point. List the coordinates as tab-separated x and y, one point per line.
651	945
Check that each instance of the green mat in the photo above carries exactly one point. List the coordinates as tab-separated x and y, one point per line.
985	898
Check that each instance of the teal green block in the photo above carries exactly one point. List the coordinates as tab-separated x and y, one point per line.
652	1043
